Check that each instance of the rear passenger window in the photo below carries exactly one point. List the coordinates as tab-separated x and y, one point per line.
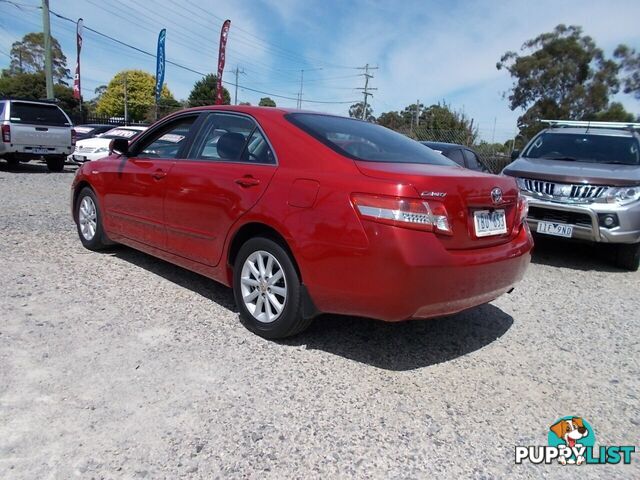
456	156
472	160
232	138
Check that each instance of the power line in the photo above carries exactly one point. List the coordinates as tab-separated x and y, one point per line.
191	69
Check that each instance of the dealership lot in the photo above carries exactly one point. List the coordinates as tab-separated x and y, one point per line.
120	365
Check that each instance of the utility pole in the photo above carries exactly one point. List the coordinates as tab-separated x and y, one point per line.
237	72
126	108
300	93
48	70
493	134
417	113
366	88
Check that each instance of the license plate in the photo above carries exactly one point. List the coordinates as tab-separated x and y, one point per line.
489	222
40	150
557	229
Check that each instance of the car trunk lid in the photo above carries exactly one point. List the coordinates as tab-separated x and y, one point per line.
463	192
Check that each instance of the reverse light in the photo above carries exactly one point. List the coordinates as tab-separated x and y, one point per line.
623	195
523	209
404	212
74	137
6	133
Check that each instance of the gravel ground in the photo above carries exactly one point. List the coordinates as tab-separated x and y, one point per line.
118	365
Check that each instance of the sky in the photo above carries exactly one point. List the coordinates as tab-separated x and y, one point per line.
425	50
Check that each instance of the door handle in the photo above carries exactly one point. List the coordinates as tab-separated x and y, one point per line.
247	181
159	174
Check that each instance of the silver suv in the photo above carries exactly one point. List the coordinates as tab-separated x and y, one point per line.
582	180
32	130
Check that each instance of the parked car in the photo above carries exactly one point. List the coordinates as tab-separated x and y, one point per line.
90	130
98	147
299	225
463	156
34	129
582	180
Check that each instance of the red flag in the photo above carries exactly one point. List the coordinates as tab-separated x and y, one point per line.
221	57
77	93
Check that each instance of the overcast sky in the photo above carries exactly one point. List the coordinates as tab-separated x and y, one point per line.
425	50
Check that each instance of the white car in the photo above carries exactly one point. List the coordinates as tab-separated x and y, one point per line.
98	147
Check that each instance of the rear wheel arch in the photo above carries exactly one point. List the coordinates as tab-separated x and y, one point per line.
257	229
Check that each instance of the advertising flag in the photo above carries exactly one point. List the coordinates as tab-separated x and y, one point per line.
77	92
160	60
221	58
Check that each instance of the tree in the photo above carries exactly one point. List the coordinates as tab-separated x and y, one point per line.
245	103
32	86
615	113
355	111
27	56
392	120
204	92
140	96
630	65
267	102
560	74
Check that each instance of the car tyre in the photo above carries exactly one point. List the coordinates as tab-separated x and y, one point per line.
628	256
265	277
89	220
56	164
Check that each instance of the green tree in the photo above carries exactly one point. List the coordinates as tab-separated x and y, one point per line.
267	102
27	56
140	96
392	120
204	92
630	66
245	103
561	74
355	111
615	113
440	122
32	86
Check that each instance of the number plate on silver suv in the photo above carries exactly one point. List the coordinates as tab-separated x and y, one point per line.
557	229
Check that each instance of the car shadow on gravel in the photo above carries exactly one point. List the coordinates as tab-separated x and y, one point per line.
195	282
33	167
405	345
574	255
390	346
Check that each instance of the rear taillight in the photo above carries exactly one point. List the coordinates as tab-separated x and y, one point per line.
403	212
523	209
6	133
74	137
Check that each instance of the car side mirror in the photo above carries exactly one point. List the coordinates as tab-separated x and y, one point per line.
515	154
119	145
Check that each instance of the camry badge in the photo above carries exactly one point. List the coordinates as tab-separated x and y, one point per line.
496	196
433	194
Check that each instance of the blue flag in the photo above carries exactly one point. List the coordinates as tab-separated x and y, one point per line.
160	63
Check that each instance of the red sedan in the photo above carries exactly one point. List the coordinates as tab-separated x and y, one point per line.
305	213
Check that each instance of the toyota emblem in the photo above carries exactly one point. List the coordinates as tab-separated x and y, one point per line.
496	196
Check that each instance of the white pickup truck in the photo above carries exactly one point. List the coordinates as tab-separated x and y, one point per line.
32	129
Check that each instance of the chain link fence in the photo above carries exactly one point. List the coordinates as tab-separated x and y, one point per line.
495	156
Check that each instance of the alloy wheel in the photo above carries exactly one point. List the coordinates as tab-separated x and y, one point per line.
263	286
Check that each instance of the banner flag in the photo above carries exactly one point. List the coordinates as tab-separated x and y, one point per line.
77	92
221	58
160	60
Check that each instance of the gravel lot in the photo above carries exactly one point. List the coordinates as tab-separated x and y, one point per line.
118	365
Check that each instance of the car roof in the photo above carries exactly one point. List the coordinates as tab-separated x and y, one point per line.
608	132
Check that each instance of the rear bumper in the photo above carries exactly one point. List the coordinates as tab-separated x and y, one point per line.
585	220
409	274
21	152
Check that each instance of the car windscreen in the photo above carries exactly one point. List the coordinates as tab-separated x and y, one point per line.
37	114
585	148
365	141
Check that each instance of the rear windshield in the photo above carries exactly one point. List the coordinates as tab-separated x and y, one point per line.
585	148
365	141
36	114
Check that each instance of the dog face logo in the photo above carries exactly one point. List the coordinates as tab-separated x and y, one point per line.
571	431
